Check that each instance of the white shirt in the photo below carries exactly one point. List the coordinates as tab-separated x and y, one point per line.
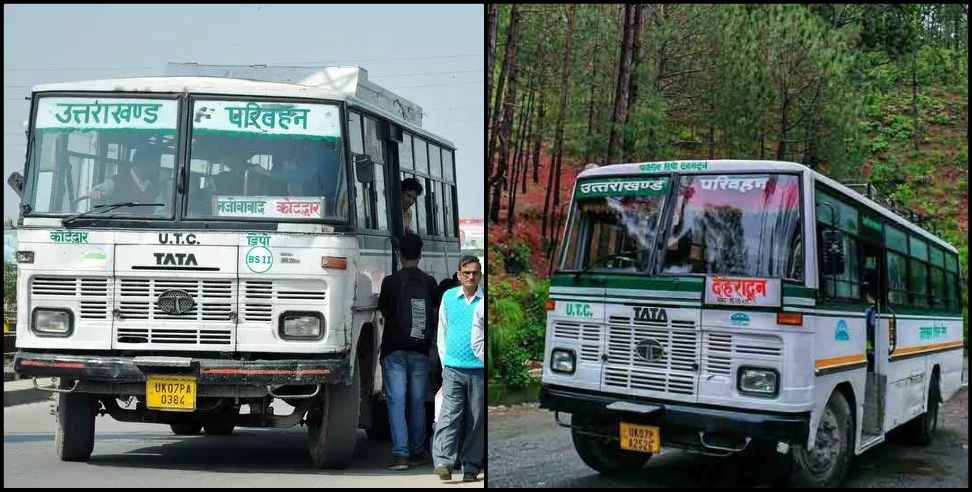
440	341
478	332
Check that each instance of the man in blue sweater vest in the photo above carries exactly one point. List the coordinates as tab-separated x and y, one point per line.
460	343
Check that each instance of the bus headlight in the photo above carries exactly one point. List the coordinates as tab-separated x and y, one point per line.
758	382
562	361
301	326
52	322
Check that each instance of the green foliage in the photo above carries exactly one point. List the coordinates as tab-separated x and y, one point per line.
517	318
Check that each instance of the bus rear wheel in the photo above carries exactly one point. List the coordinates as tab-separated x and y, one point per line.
827	463
922	428
601	453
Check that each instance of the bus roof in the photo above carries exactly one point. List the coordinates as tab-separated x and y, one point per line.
729	166
349	84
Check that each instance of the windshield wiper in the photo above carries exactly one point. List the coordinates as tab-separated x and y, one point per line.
106	207
601	260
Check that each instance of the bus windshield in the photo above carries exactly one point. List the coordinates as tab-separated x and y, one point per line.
263	160
746	225
90	151
615	224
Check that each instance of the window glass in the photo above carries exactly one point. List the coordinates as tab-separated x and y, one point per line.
952	290
380	209
435	160
422	208
447	166
372	140
897	275
895	239
919	249
745	225
421	155
918	283
446	210
275	161
827	206
846	285
936	257
938	295
91	151
951	262
438	210
357	147
405	160
615	231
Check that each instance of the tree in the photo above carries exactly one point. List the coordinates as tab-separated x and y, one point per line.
554	171
621	94
503	133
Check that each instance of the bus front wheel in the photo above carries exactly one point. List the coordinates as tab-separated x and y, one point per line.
332	425
827	463
76	414
601	453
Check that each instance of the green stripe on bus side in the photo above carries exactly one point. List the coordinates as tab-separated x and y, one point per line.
680	284
798	291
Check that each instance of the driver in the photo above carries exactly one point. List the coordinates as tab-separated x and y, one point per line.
135	181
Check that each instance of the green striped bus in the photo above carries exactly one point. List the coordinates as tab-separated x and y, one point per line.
719	306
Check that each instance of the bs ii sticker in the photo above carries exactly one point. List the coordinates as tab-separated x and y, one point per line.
259	259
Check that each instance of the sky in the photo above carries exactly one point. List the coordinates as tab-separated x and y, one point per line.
432	55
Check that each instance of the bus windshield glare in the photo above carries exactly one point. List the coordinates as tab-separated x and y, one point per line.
741	225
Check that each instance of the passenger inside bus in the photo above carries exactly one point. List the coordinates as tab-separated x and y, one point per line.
135	181
411	190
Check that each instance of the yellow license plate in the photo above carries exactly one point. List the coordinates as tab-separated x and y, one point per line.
642	438
171	393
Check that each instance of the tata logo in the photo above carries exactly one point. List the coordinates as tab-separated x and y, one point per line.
840	334
177	259
739	319
650	350
650	314
175	302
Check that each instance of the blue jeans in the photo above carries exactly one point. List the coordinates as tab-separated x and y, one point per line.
406	376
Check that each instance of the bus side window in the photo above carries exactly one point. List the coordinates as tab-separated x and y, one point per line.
356	145
832	214
373	148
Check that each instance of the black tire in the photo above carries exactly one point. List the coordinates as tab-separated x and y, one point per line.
185	429
379	428
224	424
332	426
826	465
922	429
603	454
76	413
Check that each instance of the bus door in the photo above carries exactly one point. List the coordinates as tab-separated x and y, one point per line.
873	283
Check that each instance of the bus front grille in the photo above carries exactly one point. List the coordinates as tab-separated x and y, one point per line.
675	372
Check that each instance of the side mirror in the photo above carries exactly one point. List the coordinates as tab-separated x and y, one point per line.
364	168
16	181
832	253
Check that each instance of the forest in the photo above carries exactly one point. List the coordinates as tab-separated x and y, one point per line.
874	93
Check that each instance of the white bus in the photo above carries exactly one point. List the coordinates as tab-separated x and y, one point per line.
192	244
719	306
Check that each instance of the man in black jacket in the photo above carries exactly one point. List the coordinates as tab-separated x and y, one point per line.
406	302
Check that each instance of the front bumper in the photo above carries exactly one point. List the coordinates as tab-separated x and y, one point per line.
682	417
208	372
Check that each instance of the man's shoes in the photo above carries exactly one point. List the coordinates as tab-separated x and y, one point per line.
398	463
419	460
444	472
469	477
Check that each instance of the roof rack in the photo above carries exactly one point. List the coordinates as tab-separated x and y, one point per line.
873	193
